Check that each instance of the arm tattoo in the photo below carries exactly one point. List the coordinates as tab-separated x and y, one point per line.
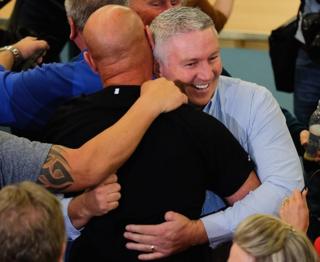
55	172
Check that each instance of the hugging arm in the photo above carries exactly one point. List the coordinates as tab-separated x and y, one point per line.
68	169
177	233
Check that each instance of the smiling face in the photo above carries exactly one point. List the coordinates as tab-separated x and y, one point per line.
149	9
194	59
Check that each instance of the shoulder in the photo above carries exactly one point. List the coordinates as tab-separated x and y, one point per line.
204	126
230	85
20	158
15	150
12	143
240	94
195	117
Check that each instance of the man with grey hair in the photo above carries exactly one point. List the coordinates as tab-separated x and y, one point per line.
186	48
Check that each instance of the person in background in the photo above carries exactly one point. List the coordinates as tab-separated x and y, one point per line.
267	238
32	227
298	131
307	72
21	51
45	20
219	12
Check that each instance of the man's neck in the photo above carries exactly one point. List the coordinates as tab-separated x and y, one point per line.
79	41
136	76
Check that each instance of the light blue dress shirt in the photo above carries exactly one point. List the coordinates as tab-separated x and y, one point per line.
254	117
72	232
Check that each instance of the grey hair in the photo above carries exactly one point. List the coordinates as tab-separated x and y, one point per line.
178	20
268	239
80	10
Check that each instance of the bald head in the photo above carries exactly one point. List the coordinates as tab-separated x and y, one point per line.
113	31
117	45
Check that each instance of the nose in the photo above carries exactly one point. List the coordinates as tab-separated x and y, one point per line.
205	72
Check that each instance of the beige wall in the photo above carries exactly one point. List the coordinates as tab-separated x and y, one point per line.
252	21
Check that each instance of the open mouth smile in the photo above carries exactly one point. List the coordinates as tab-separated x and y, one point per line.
201	86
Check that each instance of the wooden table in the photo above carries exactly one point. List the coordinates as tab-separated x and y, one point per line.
252	21
5	13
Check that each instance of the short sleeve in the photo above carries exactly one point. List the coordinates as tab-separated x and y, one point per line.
20	159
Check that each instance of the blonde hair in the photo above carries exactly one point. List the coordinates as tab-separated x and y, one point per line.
31	224
268	239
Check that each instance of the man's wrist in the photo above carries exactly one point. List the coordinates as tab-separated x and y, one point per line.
154	107
15	52
199	233
78	213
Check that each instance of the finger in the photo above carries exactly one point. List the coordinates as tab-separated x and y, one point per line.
139	247
144	229
305	193
111	188
113	205
283	211
142	239
304	137
151	256
296	196
304	196
39	60
113	197
285	202
170	216
108	188
45	44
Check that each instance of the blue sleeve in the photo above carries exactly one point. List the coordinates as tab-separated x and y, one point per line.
29	98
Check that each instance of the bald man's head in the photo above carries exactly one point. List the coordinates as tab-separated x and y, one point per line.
118	48
114	32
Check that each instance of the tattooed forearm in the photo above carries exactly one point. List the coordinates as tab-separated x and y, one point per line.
55	172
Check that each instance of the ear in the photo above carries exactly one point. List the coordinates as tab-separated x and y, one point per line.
73	29
149	36
90	61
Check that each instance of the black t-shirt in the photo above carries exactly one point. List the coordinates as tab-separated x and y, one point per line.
183	153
